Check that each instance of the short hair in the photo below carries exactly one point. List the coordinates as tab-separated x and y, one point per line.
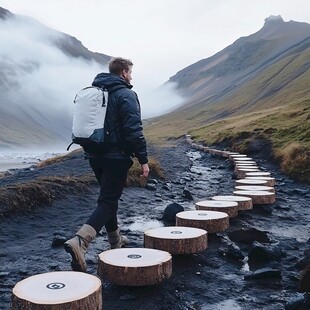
118	64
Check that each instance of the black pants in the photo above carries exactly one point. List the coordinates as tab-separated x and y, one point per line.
111	175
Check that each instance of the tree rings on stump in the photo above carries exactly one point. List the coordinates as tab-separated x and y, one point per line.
252	182
59	290
211	221
176	239
270	181
254	188
229	207
135	266
244	203
258	197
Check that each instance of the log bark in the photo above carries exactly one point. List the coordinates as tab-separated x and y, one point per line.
135	266
270	181
244	203
241	173
229	207
176	240
61	290
227	153
255	188
258	197
252	182
211	221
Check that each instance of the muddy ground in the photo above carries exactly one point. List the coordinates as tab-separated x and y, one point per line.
255	264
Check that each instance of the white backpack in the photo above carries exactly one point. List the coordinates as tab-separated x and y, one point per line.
90	106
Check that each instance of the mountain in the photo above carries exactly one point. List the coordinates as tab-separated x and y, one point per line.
243	92
41	69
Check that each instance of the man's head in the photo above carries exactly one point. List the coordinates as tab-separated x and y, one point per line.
121	67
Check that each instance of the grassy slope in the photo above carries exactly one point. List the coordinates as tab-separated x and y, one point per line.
275	105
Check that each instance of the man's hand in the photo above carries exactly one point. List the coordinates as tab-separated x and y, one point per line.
145	170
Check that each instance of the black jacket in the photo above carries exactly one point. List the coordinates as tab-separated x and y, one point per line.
123	125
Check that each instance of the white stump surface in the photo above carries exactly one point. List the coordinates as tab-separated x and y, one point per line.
258	174
135	266
270	181
252	182
244	203
176	239
254	188
58	290
229	207
211	221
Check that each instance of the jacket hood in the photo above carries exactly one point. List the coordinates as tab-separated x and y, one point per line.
110	81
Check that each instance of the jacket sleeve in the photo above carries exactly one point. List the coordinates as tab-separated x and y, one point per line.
131	125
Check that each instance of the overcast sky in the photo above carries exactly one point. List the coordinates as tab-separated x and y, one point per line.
160	36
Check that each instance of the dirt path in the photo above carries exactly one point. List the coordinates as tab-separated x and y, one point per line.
219	278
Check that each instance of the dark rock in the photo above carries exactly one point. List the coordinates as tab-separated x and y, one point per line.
248	236
59	240
262	254
232	251
298	302
150	186
152	181
305	280
170	212
264	273
187	194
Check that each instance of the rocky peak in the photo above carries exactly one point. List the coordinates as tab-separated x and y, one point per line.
4	14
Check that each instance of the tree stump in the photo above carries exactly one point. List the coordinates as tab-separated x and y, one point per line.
239	167
252	182
257	174
211	221
135	266
245	162
254	188
215	152
241	173
258	197
270	181
244	203
229	207
176	240
60	290
227	153
242	159
233	157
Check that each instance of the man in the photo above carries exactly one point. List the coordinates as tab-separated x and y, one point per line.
124	138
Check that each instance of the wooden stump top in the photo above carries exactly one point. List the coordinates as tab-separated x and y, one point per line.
252	182
245	162
134	257
175	232
246	170
233	156
232	198
254	188
201	215
270	181
229	207
227	153
258	173
56	288
242	159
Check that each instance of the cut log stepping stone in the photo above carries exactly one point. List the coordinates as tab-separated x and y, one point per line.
227	153
270	181
258	197
245	162
241	173
229	207
135	266
240	167
215	152
254	188
211	221
244	203
257	174
59	290
252	182
242	159
237	156
176	240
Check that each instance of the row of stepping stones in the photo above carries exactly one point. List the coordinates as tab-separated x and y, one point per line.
153	263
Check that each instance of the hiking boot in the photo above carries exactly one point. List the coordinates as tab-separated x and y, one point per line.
116	240
78	245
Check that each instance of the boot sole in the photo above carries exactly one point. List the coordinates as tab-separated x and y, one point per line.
74	263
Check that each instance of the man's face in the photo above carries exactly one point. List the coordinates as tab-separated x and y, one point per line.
127	75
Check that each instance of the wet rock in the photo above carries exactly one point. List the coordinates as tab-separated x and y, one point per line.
231	251
170	212
187	194
262	254
152	181
59	239
264	273
128	297
150	186
298	302
305	280
248	236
